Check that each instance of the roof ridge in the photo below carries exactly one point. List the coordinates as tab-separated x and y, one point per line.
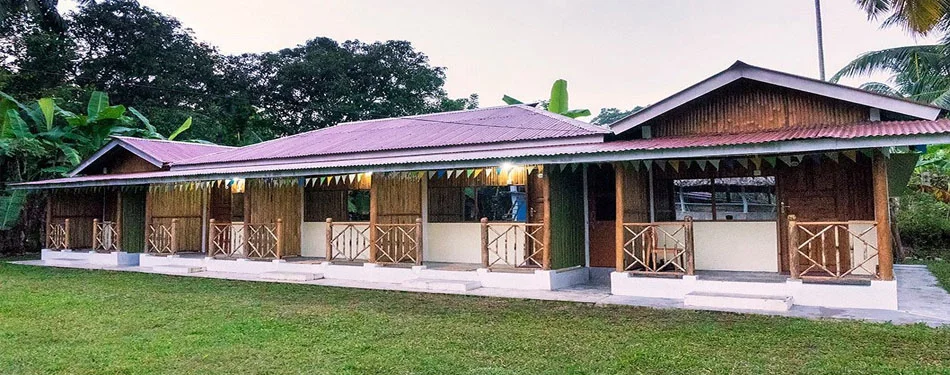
572	121
123	137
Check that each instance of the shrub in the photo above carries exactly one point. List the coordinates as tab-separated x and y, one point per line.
924	224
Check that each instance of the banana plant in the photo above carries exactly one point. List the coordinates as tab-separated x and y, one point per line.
557	102
37	145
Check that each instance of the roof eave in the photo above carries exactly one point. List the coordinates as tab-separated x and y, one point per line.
779	147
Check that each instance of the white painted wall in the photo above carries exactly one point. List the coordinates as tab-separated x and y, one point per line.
454	242
313	239
736	245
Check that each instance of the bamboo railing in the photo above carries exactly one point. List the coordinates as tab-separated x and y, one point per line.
397	243
162	238
658	248
57	234
106	236
832	249
247	240
347	240
516	245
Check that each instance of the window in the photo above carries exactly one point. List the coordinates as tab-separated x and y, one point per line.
470	204
357	205
337	204
730	198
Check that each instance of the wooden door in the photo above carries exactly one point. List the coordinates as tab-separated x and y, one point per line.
133	221
602	211
822	191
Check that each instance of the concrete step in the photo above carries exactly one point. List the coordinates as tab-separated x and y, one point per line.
290	276
443	285
177	269
738	301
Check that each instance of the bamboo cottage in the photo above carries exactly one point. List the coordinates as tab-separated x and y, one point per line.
750	189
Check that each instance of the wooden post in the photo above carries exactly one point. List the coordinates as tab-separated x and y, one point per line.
373	217
885	255
280	237
793	248
418	241
329	232
484	232
619	174
95	235
117	241
174	235
546	190
49	219
66	244
690	250
211	229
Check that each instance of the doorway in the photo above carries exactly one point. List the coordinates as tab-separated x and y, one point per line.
602	215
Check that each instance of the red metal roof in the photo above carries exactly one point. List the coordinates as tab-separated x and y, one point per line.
470	127
859	130
171	151
564	153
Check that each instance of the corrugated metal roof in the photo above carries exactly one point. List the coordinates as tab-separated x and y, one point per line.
479	126
866	129
171	151
555	153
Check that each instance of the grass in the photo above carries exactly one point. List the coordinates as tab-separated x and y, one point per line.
78	322
939	268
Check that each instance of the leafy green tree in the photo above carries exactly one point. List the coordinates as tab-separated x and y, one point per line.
557	102
322	83
609	116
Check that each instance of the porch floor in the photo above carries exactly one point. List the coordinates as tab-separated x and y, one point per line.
920	299
439	266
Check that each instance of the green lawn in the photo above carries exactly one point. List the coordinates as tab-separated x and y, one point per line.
73	321
940	269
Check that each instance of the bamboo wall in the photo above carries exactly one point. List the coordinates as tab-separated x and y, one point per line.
266	202
747	106
186	205
636	195
398	198
81	207
567	217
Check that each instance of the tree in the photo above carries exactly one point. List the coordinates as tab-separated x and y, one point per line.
609	116
322	83
42	140
916	16
45	10
37	62
156	65
920	73
557	103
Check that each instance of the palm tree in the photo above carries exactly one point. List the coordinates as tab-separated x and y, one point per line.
920	73
919	17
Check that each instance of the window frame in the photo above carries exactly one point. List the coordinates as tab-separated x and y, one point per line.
460	191
713	201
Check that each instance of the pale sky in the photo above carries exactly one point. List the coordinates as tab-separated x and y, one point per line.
613	53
